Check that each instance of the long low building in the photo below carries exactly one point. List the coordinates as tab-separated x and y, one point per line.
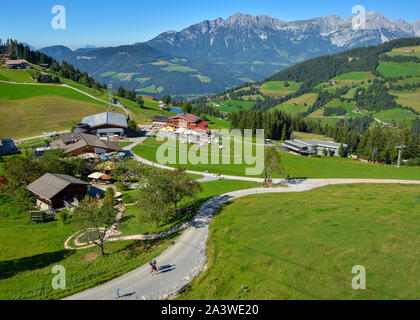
309	147
80	143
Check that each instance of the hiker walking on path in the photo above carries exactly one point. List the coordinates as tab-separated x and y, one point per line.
153	266
117	292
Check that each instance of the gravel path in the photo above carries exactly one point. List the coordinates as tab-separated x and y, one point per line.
184	260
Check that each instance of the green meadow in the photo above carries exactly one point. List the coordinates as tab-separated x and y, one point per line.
131	224
278	88
29	110
22	76
399	69
179	68
296	246
217	123
298	105
400	52
232	105
295	166
334	167
28	253
148	150
21	91
408	99
398	115
355	76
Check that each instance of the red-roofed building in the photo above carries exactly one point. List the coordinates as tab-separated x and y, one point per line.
187	120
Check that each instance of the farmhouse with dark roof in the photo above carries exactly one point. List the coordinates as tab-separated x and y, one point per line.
53	191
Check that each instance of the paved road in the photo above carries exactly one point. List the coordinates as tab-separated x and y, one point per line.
186	258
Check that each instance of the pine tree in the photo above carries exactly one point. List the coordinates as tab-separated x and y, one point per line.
342	152
284	133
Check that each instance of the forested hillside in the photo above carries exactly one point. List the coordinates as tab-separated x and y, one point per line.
318	70
368	98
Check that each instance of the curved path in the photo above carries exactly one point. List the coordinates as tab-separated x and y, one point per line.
118	105
186	258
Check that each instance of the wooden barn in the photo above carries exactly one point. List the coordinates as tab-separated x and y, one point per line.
54	191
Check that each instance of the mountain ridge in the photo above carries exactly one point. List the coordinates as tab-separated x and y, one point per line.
243	41
240	48
147	70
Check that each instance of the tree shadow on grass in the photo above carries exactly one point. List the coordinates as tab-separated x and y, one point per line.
194	205
11	267
146	245
126	218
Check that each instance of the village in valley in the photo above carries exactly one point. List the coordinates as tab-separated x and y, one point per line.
83	185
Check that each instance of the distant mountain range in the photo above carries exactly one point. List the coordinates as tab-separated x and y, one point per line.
212	55
148	70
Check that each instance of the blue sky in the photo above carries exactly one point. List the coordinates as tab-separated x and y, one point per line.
112	23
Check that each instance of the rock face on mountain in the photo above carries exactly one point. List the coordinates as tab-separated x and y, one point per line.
416	26
258	46
212	55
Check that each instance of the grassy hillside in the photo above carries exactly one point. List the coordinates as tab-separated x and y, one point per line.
30	110
22	91
216	123
353	77
29	117
309	254
400	52
343	75
232	105
408	99
16	75
279	88
298	105
398	69
132	224
319	168
29	251
397	115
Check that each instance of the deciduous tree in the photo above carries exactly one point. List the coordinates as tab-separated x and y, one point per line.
95	219
272	162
